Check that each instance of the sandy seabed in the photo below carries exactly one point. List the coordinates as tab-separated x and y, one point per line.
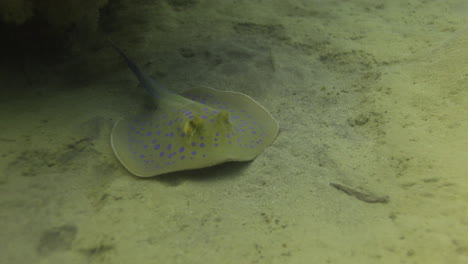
370	165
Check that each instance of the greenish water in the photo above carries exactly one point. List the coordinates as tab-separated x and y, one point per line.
369	165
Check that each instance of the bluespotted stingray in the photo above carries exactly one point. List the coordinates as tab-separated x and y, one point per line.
198	128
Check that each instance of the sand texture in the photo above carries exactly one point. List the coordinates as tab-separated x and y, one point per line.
370	164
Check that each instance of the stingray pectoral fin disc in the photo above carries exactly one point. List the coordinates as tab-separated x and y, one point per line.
206	128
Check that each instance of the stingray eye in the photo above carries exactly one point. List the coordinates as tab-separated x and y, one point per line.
193	126
223	117
189	128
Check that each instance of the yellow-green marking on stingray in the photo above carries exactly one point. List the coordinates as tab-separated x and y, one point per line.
199	128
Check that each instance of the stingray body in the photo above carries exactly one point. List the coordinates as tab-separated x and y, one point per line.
199	128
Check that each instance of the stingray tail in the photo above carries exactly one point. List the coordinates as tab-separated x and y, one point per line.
146	81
